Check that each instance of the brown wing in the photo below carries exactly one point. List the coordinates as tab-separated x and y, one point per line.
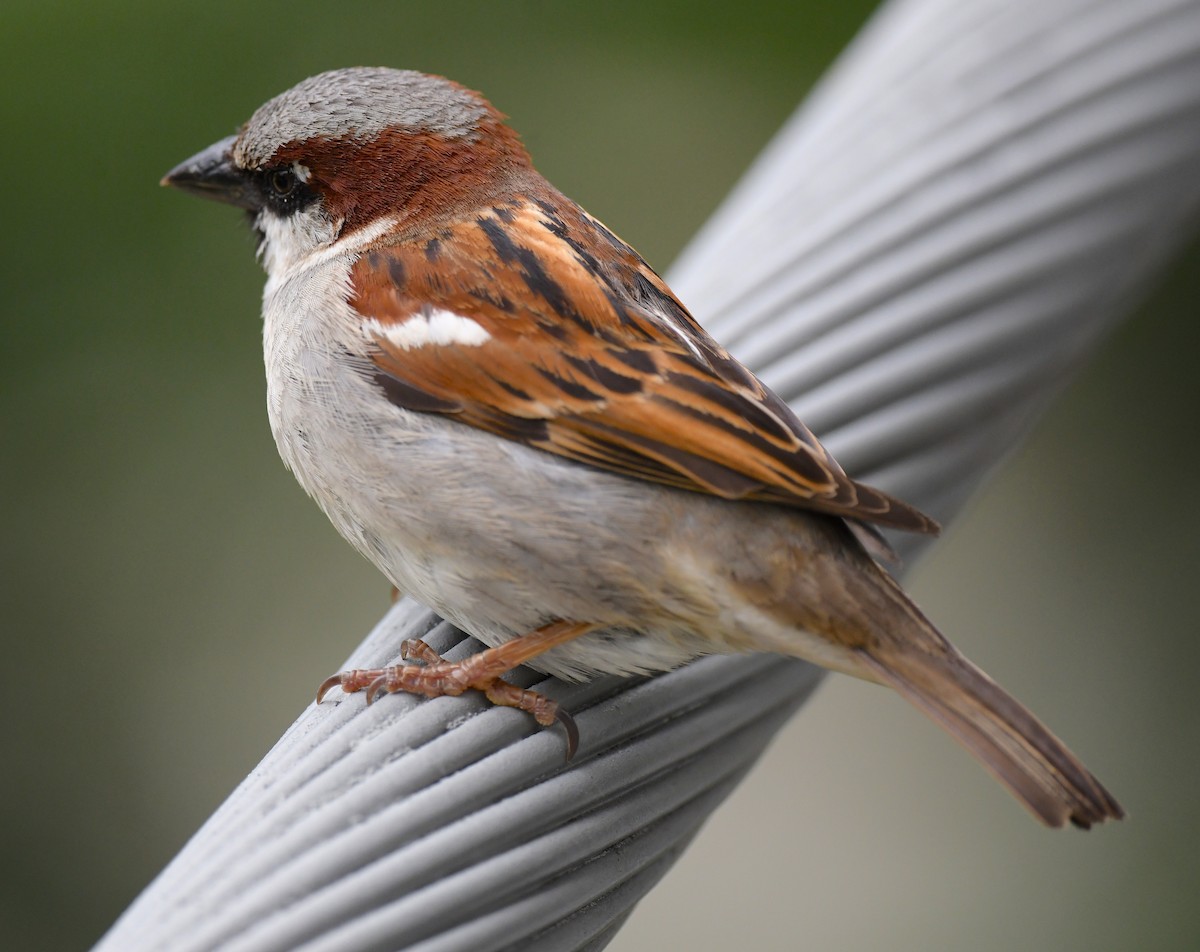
534	322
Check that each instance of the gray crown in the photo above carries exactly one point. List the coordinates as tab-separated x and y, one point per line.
360	102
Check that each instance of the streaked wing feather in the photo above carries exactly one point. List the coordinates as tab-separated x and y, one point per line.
588	355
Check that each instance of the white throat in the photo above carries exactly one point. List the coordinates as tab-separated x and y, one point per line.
288	241
307	239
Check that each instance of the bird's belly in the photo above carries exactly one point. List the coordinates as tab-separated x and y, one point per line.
497	537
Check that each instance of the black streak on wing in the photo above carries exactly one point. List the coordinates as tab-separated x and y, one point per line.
722	480
802	464
528	430
569	387
607	235
730	369
639	360
532	272
774	403
558	228
499	239
605	376
405	395
499	302
550	210
736	404
514	390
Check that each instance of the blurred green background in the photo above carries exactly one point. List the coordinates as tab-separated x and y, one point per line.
170	598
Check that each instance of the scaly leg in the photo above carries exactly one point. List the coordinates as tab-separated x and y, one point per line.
479	672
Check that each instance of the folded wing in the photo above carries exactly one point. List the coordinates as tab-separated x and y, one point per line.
534	322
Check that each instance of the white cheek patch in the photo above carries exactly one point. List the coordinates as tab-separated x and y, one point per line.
436	328
289	240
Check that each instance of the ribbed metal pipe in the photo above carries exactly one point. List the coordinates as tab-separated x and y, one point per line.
972	198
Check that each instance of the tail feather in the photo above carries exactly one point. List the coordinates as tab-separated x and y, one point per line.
1001	733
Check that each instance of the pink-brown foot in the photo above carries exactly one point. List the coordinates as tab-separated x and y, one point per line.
544	710
349	681
479	672
374	679
414	649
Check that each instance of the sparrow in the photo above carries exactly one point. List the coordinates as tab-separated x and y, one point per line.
503	407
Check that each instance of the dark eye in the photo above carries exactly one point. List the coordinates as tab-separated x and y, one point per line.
283	189
283	182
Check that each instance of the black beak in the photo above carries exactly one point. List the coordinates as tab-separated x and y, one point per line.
212	174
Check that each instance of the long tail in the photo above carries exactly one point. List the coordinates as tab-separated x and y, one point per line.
1000	732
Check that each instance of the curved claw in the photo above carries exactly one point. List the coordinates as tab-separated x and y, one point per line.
572	729
333	681
375	687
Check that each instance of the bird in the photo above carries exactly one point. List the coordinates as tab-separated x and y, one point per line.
501	405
